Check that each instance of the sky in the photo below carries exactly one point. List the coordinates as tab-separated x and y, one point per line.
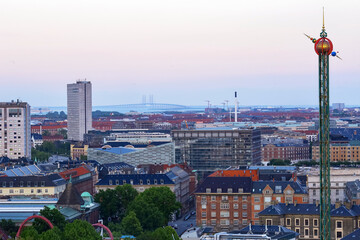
181	52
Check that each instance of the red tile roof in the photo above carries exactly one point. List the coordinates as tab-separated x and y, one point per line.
237	173
75	172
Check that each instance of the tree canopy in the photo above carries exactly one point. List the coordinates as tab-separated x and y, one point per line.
131	224
54	216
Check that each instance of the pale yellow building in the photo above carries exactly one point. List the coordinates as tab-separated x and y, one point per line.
78	151
340	152
49	185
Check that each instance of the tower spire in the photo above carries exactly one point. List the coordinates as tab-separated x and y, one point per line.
323	27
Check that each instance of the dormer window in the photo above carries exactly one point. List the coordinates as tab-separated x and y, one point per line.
208	190
43	183
155	181
148	182
124	182
241	190
110	182
21	183
278	189
35	184
230	190
218	190
4	184
117	182
131	182
29	184
11	184
162	181
141	182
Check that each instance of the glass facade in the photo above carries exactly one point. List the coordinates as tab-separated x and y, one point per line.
210	150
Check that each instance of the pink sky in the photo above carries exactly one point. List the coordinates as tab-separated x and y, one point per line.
180	51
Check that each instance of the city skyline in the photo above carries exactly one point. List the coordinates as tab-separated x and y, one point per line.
180	52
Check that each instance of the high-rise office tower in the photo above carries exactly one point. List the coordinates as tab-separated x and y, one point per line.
79	109
15	130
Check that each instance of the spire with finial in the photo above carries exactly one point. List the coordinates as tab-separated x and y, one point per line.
323	32
70	179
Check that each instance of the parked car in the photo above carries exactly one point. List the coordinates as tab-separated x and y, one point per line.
187	216
193	212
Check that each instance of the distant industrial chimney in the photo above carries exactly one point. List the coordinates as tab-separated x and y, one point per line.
236	106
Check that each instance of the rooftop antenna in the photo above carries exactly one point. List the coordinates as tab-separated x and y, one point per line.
236	106
208	101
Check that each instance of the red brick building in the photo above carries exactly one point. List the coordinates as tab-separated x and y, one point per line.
82	178
285	152
224	203
53	129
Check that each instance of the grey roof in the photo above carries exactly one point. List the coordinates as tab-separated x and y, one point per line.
225	183
354	186
135	179
309	209
275	232
70	196
277	187
355	235
32	181
178	171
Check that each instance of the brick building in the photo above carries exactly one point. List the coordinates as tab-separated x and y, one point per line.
224	203
285	152
265	193
340	152
83	179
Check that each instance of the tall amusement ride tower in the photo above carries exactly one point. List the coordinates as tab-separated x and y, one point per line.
323	48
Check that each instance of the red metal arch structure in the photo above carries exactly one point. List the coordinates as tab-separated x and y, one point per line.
106	229
32	217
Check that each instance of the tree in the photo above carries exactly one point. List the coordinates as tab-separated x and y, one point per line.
9	227
279	162
46	133
163	198
80	230
148	214
51	234
127	194
110	204
63	132
131	224
54	216
29	233
165	233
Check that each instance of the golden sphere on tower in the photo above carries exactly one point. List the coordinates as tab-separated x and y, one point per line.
323	46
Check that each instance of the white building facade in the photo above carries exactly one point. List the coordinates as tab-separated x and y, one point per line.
79	109
15	130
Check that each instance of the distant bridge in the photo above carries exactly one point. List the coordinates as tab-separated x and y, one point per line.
151	106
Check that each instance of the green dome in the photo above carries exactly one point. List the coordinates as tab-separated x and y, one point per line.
86	194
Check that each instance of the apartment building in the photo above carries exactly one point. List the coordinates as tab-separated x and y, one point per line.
285	152
15	131
340	152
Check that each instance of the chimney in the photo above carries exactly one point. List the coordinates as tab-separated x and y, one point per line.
295	202
317	203
236	106
337	204
348	204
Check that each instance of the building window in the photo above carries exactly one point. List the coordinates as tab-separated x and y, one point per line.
241	190
229	190
315	222
203	222
32	190
110	182
21	183
288	222
244	198
141	182
257	207
337	191
208	190
117	182
267	199
155	181
314	192
244	222
203	214
213	198
315	232
236	206
244	206
11	191
339	224
297	230
46	190
305	199
203	206
268	222
306	222
224	206
213	206
256	215
235	198
244	214
21	190
4	184
43	183
236	222
203	198
297	221
224	198
306	232
218	190
338	234
256	199
39	191
267	191
224	222
236	214
148	181
213	214
213	222
224	214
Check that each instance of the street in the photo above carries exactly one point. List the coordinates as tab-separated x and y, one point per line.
183	225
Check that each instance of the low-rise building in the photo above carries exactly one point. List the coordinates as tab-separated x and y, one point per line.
266	193
305	219
138	181
224	203
285	152
78	151
340	152
83	178
182	181
338	178
353	192
49	185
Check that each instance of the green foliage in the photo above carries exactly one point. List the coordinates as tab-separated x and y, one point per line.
29	233
51	234
162	233
54	216
83	157
63	132
98	114
148	214
306	163
279	162
80	230
46	133
114	202
9	227
53	116
131	225
44	151
163	198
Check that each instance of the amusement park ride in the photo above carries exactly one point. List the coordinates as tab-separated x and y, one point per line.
324	48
